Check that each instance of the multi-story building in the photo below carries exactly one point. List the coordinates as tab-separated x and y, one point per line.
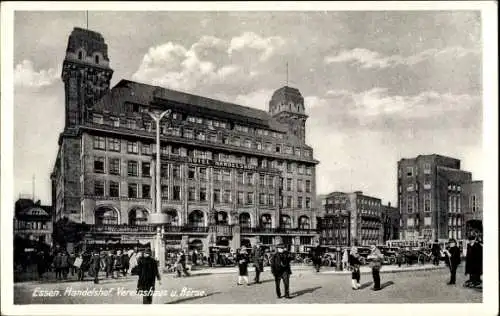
230	174
390	220
32	221
472	200
430	195
351	216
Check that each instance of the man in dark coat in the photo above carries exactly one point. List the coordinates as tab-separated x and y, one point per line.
148	273
280	268
95	266
108	264
436	250
453	257
258	261
316	257
474	262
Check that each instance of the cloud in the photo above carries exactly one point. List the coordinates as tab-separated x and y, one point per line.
25	75
210	62
369	59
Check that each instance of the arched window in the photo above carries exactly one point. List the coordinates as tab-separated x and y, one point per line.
96	59
304	222
286	221
266	221
245	220
138	216
80	55
221	218
106	216
196	219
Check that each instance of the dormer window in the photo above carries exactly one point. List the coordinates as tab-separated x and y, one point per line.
96	58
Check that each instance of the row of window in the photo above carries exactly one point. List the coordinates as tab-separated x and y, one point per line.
113	190
114	144
413	171
299	185
412	222
412	204
35	225
415	187
300	202
454	204
455	233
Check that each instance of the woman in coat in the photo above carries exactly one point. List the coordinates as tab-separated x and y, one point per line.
242	260
355	263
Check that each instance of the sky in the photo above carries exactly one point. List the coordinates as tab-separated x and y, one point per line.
378	86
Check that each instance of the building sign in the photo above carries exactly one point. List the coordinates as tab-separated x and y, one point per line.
213	163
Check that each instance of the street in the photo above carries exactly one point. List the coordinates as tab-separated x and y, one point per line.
306	287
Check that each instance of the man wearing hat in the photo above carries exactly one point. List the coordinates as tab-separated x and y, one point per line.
148	273
474	262
453	255
95	266
258	261
280	268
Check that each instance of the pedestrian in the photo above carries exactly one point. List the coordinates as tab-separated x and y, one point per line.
345	260
117	266
316	257
474	262
376	258
181	264
40	264
195	257
242	261
281	270
78	264
125	263
453	257
108	265
57	265
436	250
65	265
95	266
258	261
148	273
399	257
354	261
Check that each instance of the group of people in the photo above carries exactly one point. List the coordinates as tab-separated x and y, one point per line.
473	261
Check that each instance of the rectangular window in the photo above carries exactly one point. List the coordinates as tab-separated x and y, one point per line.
227	196
427	168
217	196
307	153
146	149
271	200
97	119
114	189
262	199
99	164
200	136
176	193
132	169
248	143
250	198
114	166
308	186
99	187
427	202
99	142
297	152
299	185
278	148
239	177
410	222
410	187
308	202
409	171
191	194
176	174
410	205
226	174
146	169
250	178
203	174
236	141
115	122
427	221
132	124
289	167
258	145
203	194
262	179
114	144
308	171
240	197
288	202
268	147
217	175
132	190
288	150
164	170
164	192
146	191
300	169
289	184
188	134
132	147
299	202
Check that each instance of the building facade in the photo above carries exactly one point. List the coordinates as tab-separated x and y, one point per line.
32	221
390	220
230	175
472	200
351	216
430	197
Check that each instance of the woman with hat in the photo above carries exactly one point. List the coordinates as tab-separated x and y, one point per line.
242	259
453	256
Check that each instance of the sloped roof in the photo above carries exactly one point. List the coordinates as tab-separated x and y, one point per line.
135	92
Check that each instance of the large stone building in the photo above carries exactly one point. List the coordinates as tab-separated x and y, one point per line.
230	174
351	216
431	197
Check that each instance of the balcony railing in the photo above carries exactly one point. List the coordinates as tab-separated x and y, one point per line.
221	230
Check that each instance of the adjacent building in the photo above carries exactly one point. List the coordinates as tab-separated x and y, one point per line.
230	175
390	220
32	222
351	216
472	200
431	197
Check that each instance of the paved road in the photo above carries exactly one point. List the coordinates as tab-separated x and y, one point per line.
306	287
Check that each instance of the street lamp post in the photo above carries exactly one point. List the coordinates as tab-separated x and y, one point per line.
157	217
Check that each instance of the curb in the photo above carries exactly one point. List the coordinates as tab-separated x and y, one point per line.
388	271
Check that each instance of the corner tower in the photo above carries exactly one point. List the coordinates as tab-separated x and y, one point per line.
86	73
287	107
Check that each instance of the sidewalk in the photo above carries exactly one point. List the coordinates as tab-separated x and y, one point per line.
324	270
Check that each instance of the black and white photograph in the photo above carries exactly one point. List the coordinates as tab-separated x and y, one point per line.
236	153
